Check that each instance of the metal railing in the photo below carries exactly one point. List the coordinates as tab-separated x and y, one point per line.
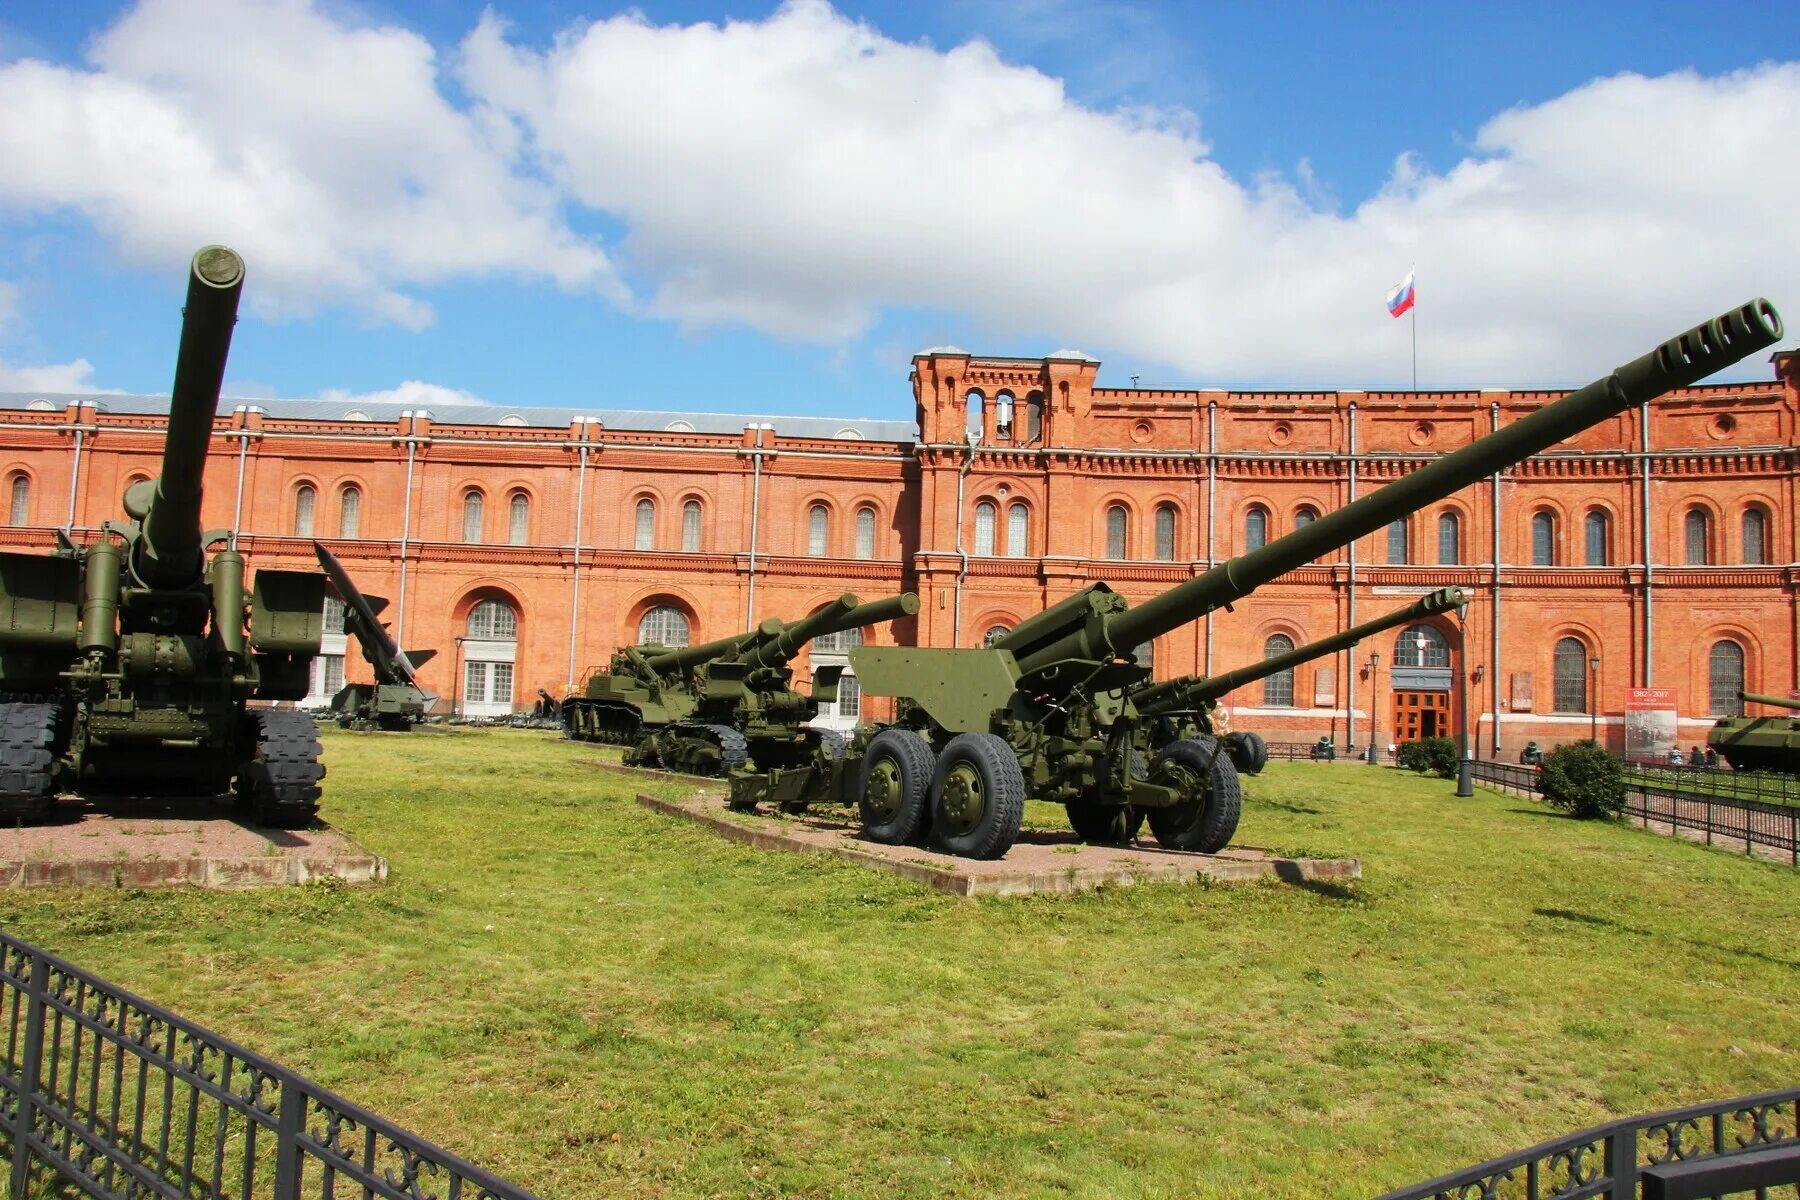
1745	1146
123	1099
1767	787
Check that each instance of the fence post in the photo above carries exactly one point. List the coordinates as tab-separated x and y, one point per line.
29	1070
1709	820
1621	1164
290	1120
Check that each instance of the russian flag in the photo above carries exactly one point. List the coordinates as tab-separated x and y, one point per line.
1402	297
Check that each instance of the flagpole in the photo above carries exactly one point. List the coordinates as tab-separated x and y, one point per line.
1413	274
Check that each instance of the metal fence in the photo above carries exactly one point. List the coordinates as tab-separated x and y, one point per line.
1720	819
1767	787
1734	1147
121	1098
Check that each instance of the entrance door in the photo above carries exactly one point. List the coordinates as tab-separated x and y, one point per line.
1421	715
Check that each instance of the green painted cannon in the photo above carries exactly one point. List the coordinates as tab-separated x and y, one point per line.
127	665
723	705
1760	743
1048	711
394	702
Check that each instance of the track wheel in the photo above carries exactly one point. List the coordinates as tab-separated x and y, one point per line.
1249	753
279	784
28	753
1207	820
896	777
977	797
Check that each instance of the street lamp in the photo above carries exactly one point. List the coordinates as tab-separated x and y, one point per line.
1374	738
1594	700
456	679
1465	770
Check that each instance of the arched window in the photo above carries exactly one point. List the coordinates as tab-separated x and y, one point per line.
518	520
493	621
1449	538
304	500
690	526
1543	540
1421	646
1570	693
1165	533
473	503
1305	515
1756	542
1397	540
1256	527
350	512
645	536
1598	553
488	655
818	530
1115	531
994	634
21	500
663	626
1034	417
972	415
985	514
1697	527
1278	689
1725	680
1003	415
865	532
1018	530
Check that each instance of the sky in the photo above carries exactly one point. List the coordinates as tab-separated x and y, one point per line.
770	208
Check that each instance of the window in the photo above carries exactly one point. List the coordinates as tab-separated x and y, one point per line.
334	617
21	500
1278	689
332	681
304	499
1145	654
1597	539
1396	541
1408	651
350	512
1697	527
1003	415
1571	672
644	538
984	528
473	503
1725	679
972	415
488	650
818	530
837	643
1305	515
1256	528
1018	530
663	626
690	526
1034	417
1165	533
487	688
865	533
1543	540
1115	531
994	634
1449	539
518	519
1756	548
849	697
493	621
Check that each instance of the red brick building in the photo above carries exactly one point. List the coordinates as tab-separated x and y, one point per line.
1656	550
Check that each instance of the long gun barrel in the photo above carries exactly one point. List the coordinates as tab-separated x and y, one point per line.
168	554
1773	701
842	614
1191	691
1677	363
688	656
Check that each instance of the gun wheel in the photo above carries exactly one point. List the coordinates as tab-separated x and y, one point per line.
977	797
894	784
1249	753
1104	824
1207	821
279	784
29	748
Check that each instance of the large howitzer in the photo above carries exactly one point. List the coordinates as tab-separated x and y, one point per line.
714	708
1047	712
127	664
395	701
1760	743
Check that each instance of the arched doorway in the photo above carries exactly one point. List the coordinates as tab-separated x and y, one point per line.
833	650
1424	701
490	647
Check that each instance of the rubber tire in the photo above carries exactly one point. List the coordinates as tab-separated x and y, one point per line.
30	734
1003	787
910	755
278	785
1104	824
1205	825
1249	753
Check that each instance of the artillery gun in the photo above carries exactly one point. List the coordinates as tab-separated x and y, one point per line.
395	701
1760	743
1047	712
712	709
127	665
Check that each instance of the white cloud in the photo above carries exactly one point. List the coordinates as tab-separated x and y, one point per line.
76	377
9	304
413	394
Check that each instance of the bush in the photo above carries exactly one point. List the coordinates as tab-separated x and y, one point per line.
1432	755
1584	780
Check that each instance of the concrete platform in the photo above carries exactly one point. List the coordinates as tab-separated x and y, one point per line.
1038	862
177	843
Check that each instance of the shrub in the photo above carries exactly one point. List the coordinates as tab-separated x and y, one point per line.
1432	755
1584	780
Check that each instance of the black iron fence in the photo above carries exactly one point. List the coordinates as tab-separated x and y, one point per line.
123	1099
1746	1147
1766	787
1721	820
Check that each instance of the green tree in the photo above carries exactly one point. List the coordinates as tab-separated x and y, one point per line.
1584	780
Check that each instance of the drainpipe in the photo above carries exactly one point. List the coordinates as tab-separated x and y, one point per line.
1644	531
974	436
412	447
756	457
75	474
242	412
1350	597
575	570
1212	504
1494	426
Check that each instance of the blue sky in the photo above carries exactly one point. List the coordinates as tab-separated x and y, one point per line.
758	208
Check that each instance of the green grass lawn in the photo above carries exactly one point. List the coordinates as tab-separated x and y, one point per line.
594	1000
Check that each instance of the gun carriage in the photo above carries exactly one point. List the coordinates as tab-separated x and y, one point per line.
1760	743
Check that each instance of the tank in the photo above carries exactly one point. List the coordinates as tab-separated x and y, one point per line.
1760	743
724	705
1048	713
394	702
129	664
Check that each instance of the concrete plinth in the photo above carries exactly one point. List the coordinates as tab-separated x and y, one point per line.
1038	861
